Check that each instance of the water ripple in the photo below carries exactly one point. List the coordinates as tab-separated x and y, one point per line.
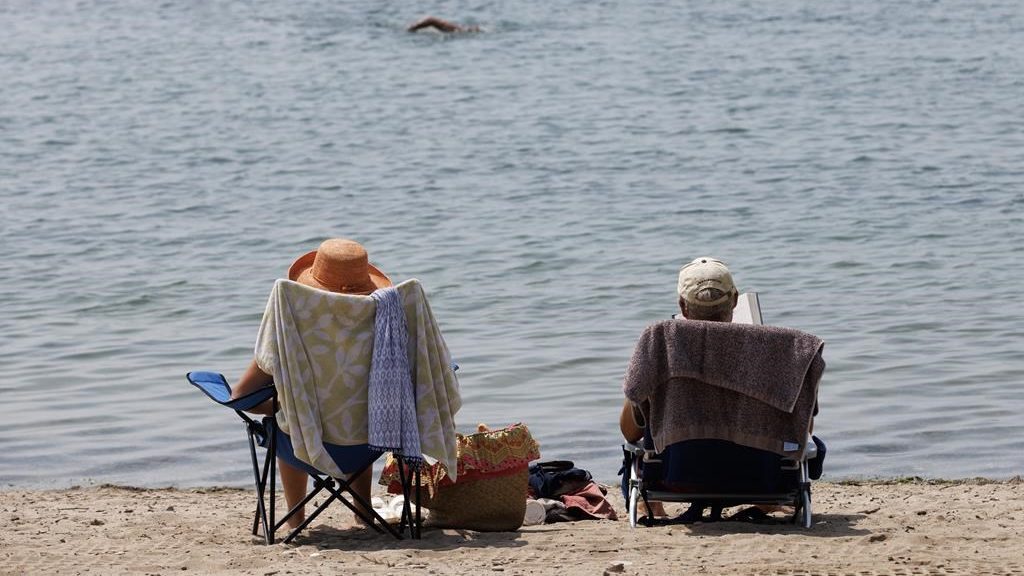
858	164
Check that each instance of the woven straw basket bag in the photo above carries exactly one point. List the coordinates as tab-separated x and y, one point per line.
490	491
495	504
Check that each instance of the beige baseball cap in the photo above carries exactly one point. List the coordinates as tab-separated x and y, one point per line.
702	273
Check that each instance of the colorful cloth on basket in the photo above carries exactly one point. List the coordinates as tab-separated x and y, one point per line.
391	403
318	346
485	454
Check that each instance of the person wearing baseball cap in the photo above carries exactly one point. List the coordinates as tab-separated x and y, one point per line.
706	292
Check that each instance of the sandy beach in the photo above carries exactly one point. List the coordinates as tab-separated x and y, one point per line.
861	528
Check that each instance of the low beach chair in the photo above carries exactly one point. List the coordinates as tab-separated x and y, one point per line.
727	411
354	377
718	474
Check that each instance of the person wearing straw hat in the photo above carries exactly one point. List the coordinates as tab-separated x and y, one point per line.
338	265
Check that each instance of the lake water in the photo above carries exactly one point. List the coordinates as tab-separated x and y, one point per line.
859	164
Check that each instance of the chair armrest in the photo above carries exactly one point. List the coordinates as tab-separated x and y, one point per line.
216	387
810	449
634	448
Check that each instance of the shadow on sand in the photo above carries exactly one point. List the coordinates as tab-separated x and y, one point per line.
825	526
366	540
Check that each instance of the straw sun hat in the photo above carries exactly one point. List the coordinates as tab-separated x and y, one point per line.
338	265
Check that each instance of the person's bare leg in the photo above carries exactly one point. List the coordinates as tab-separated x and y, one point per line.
656	510
361	486
295	482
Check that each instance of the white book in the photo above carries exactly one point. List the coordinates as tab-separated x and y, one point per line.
748	309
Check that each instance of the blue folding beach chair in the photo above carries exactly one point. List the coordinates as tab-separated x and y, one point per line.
352	460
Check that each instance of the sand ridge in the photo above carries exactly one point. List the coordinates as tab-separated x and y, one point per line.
861	528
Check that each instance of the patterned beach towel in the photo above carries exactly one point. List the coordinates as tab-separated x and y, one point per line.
319	348
391	402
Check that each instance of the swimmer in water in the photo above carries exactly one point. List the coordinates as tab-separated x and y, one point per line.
441	26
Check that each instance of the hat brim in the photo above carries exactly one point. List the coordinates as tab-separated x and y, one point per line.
301	271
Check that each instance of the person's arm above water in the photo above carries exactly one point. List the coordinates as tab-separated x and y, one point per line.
252	380
439	24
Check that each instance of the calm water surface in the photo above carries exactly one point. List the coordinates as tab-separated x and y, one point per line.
859	164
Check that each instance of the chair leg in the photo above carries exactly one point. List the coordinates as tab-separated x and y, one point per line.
270	525
311	517
318	486
261	485
649	518
806	518
352	507
410	481
803	498
632	465
371	517
405	517
633	504
419	519
271	463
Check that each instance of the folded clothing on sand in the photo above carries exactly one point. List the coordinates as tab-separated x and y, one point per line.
554	478
588	502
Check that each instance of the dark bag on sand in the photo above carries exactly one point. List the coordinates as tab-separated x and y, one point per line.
554	478
817	464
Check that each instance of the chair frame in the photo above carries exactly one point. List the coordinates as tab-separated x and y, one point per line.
799	496
265	479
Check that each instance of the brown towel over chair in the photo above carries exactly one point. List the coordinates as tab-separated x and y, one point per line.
749	384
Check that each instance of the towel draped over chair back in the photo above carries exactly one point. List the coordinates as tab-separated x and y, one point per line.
319	347
749	384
